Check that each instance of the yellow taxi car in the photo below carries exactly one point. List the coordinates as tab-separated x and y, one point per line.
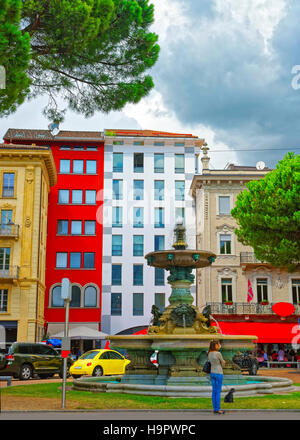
99	363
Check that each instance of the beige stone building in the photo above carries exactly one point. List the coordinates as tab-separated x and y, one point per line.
26	174
224	284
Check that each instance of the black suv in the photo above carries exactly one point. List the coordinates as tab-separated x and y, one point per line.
26	359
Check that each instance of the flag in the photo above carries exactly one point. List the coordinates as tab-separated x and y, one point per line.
250	292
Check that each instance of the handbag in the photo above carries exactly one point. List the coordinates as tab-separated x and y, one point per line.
207	367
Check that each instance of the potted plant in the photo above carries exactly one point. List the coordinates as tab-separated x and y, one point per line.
228	303
264	302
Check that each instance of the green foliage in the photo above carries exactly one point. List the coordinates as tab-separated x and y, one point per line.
268	215
93	54
14	56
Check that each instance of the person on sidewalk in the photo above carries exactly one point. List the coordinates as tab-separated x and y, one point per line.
216	374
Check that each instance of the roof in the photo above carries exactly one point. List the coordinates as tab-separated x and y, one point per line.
147	133
45	135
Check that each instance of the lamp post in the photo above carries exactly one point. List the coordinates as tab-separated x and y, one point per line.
65	346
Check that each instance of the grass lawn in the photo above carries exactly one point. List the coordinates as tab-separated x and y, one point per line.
42	394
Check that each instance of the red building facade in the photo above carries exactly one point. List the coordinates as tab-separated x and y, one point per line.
75	227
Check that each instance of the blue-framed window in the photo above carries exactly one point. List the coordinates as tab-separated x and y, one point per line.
75	260
118	162
159	277
159	215
64	166
138	245
116	304
138	190
138	274
179	190
116	244
78	166
91	167
179	163
138	304
89	260
116	274
159	189
138	217
159	242
117	215
159	163
117	189
179	215
63	196
138	162
160	301
62	227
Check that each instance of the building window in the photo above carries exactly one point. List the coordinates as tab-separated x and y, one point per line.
159	163
138	162
64	166
116	245
138	143
296	291
226	288
138	245
159	242
138	217
179	144
179	163
8	187
118	162
90	296
159	218
90	197
77	166
91	148
61	260
179	215
225	244
6	216
116	275
138	304
56	299
90	227
65	147
159	187
76	297
89	260
179	190
62	227
138	278
118	189
75	260
78	148
262	289
76	227
117	214
4	258
138	190
116	304
224	205
3	300
77	196
91	167
159	277
63	196
160	300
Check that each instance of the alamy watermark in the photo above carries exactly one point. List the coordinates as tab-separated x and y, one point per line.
2	78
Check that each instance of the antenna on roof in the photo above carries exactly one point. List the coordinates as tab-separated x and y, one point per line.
54	128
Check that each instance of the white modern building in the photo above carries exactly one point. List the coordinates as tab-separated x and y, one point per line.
147	177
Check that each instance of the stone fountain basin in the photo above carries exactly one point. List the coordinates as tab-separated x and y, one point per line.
182	258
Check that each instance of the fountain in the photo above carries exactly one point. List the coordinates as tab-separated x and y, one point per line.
181	335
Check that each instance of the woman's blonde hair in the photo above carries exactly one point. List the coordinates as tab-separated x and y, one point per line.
212	345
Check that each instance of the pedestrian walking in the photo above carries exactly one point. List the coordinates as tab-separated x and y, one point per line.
216	374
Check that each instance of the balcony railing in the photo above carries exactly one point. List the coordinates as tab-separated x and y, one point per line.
7	230
9	273
249	257
245	308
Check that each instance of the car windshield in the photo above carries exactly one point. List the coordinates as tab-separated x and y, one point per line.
89	355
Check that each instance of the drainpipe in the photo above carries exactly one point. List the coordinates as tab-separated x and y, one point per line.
38	263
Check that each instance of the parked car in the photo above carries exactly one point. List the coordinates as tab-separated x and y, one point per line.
99	363
27	359
247	362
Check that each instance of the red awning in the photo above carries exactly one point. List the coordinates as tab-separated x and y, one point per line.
267	332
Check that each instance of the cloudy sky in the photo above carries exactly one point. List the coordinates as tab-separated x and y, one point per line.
227	72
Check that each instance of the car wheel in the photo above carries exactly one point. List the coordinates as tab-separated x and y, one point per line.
98	372
76	376
25	372
44	376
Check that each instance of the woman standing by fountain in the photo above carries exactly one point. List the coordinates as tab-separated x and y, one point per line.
216	374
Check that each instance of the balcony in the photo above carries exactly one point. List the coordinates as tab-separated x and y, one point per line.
9	273
249	260
10	231
245	309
